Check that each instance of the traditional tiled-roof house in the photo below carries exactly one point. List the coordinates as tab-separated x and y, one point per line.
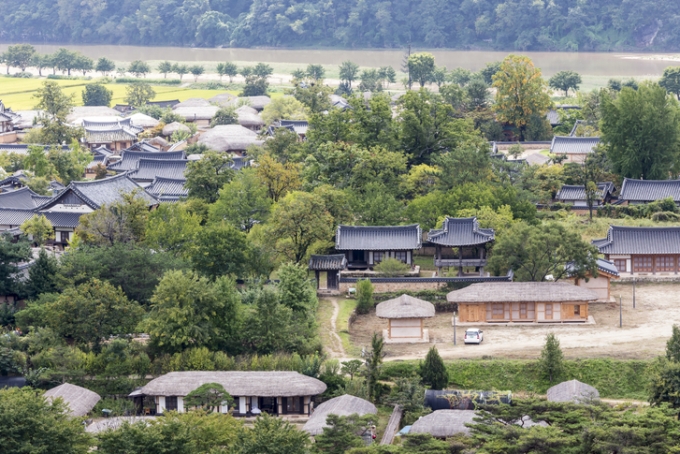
23	199
601	285
116	136
327	270
642	250
82	197
575	148
465	235
636	192
148	169
130	159
366	246
576	195
168	189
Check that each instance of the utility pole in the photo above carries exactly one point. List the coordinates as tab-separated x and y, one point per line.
454	327
633	293
620	313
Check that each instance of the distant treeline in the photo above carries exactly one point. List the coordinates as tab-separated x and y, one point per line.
565	25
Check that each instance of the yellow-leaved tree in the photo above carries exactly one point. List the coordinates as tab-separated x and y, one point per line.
520	92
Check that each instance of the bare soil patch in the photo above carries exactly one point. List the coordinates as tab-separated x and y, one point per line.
643	335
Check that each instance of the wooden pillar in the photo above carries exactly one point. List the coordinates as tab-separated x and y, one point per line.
654	257
460	261
421	328
438	256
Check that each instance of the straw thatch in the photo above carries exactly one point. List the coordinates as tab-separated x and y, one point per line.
250	120
143	121
193	102
223	99
170	129
80	401
246	109
229	138
344	405
159	142
573	391
79	112
194	113
512	292
405	306
261	384
444	423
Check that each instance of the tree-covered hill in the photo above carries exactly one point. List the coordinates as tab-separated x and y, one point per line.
564	25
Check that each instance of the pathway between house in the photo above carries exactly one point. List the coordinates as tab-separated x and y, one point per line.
392	426
337	350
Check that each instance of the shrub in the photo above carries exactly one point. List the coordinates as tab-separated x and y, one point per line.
23	75
392	267
118	407
133	80
664	216
364	296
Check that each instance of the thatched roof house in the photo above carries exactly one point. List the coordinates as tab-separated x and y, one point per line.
192	102
233	138
444	423
573	391
143	121
80	401
170	129
405	315
522	302
254	392
344	405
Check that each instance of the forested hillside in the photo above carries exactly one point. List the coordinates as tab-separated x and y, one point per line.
565	25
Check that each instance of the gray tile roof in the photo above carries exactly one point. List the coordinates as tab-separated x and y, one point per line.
23	198
460	232
640	240
239	162
553	115
649	190
328	262
168	189
603	265
299	126
143	146
99	192
148	169
577	192
387	238
573	145
63	219
130	159
113	135
22	148
14	217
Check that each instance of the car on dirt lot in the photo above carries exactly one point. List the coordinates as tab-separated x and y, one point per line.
473	336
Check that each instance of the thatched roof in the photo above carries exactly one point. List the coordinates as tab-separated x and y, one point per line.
444	423
405	306
159	142
80	401
229	138
170	129
344	405
193	113
261	384
223	99
193	102
143	121
250	120
573	391
512	292
246	109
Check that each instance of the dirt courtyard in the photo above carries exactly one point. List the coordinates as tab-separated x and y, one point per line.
644	334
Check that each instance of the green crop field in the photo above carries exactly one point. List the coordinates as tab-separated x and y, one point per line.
19	93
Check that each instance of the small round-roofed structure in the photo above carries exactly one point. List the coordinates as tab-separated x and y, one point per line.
405	316
573	391
444	423
344	405
80	401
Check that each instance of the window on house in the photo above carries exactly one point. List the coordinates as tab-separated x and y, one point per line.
522	310
171	403
642	264
378	257
401	255
620	265
665	263
548	311
293	405
577	310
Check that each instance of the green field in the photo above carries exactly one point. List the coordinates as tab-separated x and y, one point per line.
19	93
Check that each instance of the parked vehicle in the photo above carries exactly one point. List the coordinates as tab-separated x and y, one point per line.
474	336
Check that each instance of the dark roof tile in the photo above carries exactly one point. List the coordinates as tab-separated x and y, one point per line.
649	190
460	232
387	238
573	145
640	240
328	262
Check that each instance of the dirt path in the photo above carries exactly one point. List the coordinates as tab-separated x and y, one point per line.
336	350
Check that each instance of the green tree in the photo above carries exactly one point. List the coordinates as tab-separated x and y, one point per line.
279	178
41	62
670	80
83	63
208	397
205	177
39	227
191	311
664	384
172	228
165	67
11	254
123	221
30	423
564	80
196	70
315	97
439	76
65	60
299	221
243	202
551	361
673	345
97	95
104	66
641	131
295	288
433	372
19	56
139	94
490	70
180	70
91	312
315	72
56	106
230	69
285	108
520	92
342	433
374	359
348	72
219	249
225	116
36	161
421	67
391	267
42	276
535	252
269	433
263	70
139	68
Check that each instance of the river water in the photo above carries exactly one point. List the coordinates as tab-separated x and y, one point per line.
595	64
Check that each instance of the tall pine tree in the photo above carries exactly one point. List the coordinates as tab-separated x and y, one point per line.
42	275
433	371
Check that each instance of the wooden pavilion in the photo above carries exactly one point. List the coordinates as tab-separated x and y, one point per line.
405	317
468	241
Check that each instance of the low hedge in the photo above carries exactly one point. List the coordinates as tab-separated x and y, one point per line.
134	80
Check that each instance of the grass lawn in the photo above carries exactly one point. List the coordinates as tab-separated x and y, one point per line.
425	262
597	228
347	307
323	319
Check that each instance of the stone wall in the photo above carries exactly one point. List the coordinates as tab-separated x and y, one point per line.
386	287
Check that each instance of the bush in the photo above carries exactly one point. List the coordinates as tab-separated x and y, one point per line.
392	267
60	77
23	75
665	216
118	407
133	80
364	296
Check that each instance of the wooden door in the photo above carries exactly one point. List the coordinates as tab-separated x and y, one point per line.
323	280
548	311
497	311
332	280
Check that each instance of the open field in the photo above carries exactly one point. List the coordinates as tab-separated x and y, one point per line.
643	336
